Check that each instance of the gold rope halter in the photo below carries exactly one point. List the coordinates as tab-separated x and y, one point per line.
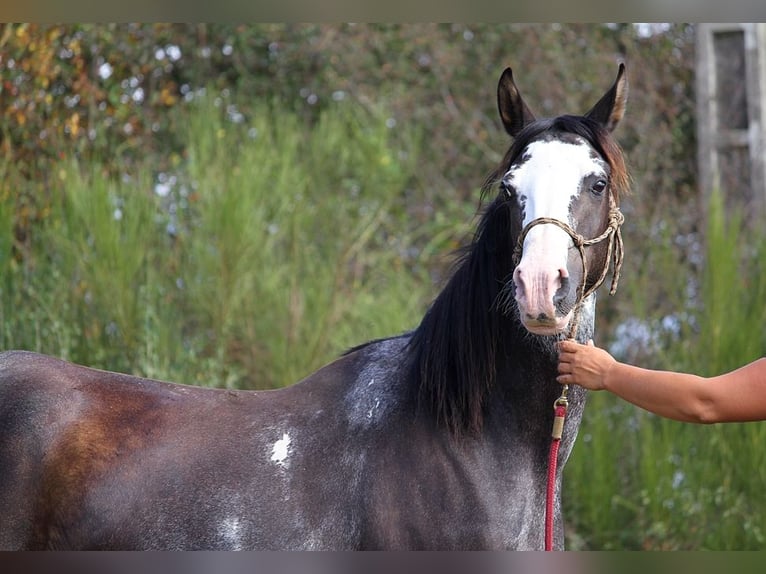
612	234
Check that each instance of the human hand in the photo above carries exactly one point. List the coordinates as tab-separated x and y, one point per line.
584	365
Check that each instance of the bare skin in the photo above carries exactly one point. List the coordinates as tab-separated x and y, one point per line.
736	396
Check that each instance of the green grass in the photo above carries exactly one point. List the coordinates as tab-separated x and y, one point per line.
272	249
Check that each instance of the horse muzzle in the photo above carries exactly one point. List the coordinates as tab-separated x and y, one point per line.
545	299
542	286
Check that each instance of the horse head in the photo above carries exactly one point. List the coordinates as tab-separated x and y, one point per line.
562	178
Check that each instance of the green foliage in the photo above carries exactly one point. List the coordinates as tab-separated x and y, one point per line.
104	92
302	231
273	249
731	319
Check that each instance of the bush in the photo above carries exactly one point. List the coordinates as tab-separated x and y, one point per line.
271	249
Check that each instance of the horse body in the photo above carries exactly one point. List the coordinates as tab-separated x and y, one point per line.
341	460
434	439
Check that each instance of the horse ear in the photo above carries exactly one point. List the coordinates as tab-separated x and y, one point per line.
611	107
513	111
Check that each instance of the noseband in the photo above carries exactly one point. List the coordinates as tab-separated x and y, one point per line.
611	234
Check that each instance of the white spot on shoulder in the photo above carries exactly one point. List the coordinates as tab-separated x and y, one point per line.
281	450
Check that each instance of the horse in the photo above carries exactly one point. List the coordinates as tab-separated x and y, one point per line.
436	438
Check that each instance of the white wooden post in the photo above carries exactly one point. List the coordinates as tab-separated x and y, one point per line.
731	99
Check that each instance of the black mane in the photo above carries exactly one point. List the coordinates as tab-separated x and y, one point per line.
454	349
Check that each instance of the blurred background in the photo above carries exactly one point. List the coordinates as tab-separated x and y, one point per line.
234	206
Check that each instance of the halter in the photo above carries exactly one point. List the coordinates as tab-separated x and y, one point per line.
611	234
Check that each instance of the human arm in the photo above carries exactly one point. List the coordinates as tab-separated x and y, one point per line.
737	396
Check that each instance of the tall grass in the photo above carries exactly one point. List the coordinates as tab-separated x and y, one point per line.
638	481
271	249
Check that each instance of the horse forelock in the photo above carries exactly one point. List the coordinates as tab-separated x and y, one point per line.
598	137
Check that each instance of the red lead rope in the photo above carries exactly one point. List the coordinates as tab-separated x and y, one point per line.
560	413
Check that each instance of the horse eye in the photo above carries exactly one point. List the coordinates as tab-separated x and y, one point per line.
598	187
507	189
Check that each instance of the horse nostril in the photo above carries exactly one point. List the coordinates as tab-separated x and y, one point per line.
518	281
563	290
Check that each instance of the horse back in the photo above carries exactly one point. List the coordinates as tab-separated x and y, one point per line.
93	459
78	444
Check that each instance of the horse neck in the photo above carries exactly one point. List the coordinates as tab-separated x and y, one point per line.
471	356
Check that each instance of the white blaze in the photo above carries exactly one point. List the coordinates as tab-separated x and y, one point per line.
549	181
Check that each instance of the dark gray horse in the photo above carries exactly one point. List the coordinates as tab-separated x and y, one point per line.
436	439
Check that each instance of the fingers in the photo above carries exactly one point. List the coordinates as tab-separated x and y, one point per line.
567	345
568	348
567	351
